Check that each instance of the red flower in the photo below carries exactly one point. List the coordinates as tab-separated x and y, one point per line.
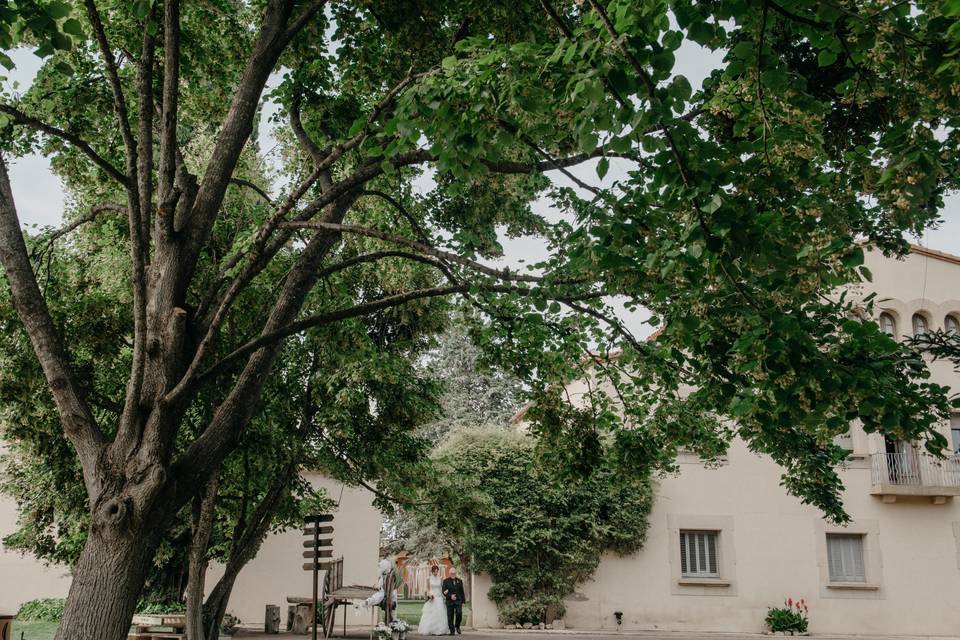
789	602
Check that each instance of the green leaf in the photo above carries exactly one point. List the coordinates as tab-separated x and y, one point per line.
357	126
680	88
57	9
744	50
826	58
73	27
602	167
587	141
61	41
714	203
141	8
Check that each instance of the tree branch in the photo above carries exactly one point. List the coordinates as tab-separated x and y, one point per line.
296	123
21	118
90	217
330	317
249	185
503	274
166	175
274	36
75	415
797	17
366	309
119	102
647	81
145	135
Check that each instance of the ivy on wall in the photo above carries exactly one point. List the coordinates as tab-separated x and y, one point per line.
536	533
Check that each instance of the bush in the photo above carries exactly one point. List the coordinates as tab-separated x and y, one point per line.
160	607
791	618
535	533
532	610
42	610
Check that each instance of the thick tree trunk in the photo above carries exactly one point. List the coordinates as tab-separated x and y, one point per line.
246	545
202	527
107	582
216	606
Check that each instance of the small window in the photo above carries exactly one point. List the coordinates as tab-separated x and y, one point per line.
919	325
887	324
845	557
955	432
698	554
951	324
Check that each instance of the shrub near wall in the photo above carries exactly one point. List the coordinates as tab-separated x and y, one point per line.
535	534
41	610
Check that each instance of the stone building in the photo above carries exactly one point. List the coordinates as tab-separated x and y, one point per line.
726	543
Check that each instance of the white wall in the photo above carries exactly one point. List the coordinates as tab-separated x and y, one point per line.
277	570
772	546
23	578
775	546
274	574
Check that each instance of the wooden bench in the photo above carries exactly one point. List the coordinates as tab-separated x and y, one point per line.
145	627
6	627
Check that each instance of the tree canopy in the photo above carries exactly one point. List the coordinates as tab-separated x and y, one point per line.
416	134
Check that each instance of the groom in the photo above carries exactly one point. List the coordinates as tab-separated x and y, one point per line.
453	594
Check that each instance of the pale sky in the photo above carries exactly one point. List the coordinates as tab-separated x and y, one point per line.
40	199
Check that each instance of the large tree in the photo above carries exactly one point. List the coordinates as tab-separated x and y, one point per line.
418	132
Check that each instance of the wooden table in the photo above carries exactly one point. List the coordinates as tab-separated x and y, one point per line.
144	625
6	627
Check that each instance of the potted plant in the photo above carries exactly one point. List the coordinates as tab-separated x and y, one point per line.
398	629
789	619
383	632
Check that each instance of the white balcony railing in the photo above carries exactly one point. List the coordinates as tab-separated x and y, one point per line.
914	469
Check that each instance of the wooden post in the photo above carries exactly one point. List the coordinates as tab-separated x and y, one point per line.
316	570
301	619
271	619
314	553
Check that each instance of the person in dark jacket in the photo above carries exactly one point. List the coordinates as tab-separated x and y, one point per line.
454	597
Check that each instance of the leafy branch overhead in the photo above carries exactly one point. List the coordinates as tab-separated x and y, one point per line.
412	139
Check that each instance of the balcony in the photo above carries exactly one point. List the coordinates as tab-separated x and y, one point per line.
912	473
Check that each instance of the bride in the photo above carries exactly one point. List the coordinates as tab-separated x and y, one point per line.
433	619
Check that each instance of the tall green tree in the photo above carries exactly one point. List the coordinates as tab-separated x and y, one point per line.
303	423
728	212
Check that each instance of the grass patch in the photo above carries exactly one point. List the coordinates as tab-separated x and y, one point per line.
33	630
409	611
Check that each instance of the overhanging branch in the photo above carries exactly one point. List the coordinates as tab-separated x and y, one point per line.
503	274
21	118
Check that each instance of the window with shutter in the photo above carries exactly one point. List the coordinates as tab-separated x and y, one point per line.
887	324
845	557
698	554
951	324
955	432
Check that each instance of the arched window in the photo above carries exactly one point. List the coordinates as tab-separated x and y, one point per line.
919	325
951	324
887	324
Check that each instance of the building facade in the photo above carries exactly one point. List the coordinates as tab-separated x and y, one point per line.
726	543
273	575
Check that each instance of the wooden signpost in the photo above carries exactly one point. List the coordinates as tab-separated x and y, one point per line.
316	551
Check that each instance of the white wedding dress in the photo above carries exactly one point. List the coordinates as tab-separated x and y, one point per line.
433	618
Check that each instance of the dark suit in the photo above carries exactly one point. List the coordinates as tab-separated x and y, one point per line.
454	596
